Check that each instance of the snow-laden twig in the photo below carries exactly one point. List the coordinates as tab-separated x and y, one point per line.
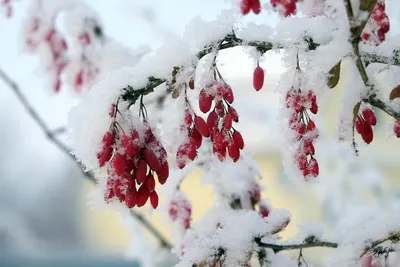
231	41
52	136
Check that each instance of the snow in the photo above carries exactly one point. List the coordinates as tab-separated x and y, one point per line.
234	231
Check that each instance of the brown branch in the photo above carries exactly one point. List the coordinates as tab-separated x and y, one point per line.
51	135
313	242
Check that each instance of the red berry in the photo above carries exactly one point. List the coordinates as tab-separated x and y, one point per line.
233	151
238	139
105	156
369	116
140	173
134	135
150	182
154	199
219	108
128	146
151	159
258	78
302	161
396	128
256	6
205	101
212	120
359	124
245	6
188	118
310	126
163	171
219	152
143	195
264	211
131	197
233	113
227	121
228	94
218	139
108	139
308	147
201	126
313	167
368	134
119	162
300	131
196	136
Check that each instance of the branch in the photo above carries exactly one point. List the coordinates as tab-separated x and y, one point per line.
231	40
306	244
51	135
313	242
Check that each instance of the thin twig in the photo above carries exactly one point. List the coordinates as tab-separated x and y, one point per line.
52	137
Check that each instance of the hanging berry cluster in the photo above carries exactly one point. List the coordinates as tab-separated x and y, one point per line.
87	70
180	211
218	126
132	158
58	50
255	198
7	8
284	7
378	25
300	103
247	5
364	122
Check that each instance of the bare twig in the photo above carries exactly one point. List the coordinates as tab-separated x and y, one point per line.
51	135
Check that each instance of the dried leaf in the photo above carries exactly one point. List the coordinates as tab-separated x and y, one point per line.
176	93
395	93
191	84
334	75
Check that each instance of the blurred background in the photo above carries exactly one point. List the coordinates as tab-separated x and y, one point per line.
43	195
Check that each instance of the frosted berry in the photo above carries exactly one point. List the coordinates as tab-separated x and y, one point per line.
151	159
119	163
205	101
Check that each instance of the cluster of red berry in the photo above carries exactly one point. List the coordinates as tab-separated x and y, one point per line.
218	127
248	5
300	122
8	8
284	7
378	24
364	123
255	197
131	161
58	49
180	211
87	72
